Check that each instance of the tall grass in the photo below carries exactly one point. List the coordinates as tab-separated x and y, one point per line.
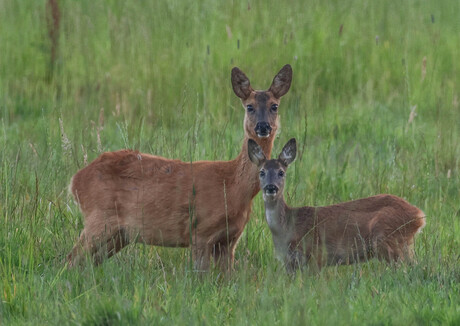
374	105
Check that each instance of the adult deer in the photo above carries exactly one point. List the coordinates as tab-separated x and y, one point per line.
127	196
381	226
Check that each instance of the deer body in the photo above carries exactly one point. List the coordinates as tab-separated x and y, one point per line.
381	226
127	196
130	190
349	232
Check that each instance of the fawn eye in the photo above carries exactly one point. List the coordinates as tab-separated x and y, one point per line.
274	107
250	108
262	173
281	173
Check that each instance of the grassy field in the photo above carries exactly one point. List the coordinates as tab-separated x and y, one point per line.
155	76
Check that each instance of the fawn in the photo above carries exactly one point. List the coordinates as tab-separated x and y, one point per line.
127	196
381	226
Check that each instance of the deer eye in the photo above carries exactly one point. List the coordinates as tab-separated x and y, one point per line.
281	173
274	107
250	108
262	173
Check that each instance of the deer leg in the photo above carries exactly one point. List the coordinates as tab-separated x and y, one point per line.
409	253
82	246
403	251
382	246
94	242
201	256
117	241
224	255
391	249
219	254
404	248
294	261
381	249
296	256
319	252
319	259
224	248
388	251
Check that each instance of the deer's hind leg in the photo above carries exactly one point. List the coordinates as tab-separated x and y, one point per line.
116	241
77	254
403	249
393	248
98	242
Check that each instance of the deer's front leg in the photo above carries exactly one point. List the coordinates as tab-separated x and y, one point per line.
293	260
224	255
223	250
201	256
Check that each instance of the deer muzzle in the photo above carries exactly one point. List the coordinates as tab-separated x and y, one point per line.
271	190
263	129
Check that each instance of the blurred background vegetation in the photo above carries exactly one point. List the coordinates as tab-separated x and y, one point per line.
374	105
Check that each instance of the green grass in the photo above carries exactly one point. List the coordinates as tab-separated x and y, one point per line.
155	75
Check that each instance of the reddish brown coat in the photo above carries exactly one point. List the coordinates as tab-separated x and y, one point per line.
128	196
381	226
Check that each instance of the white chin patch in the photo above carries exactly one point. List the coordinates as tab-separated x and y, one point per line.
269	196
263	136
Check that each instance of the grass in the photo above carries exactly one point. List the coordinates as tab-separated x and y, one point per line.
156	76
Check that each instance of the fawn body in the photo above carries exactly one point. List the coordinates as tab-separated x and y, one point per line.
381	226
127	196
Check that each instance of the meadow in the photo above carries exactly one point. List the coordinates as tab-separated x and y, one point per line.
374	105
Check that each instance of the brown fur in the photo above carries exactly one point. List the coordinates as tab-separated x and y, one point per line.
381	226
127	196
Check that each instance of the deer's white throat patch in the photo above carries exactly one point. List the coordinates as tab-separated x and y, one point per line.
272	217
280	234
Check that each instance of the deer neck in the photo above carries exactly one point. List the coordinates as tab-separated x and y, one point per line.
277	215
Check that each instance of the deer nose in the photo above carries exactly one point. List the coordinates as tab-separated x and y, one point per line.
263	129
271	189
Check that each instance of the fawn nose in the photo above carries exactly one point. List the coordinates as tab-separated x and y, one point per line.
263	129
271	189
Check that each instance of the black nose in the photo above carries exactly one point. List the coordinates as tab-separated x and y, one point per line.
263	129
271	189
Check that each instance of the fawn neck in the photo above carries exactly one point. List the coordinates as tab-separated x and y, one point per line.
281	218
277	214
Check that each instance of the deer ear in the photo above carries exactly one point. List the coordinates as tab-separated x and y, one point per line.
289	152
256	154
241	85
282	82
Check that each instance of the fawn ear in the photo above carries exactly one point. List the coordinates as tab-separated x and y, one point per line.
256	154
289	152
282	82
241	85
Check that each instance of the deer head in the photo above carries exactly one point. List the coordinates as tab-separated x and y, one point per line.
272	173
261	118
